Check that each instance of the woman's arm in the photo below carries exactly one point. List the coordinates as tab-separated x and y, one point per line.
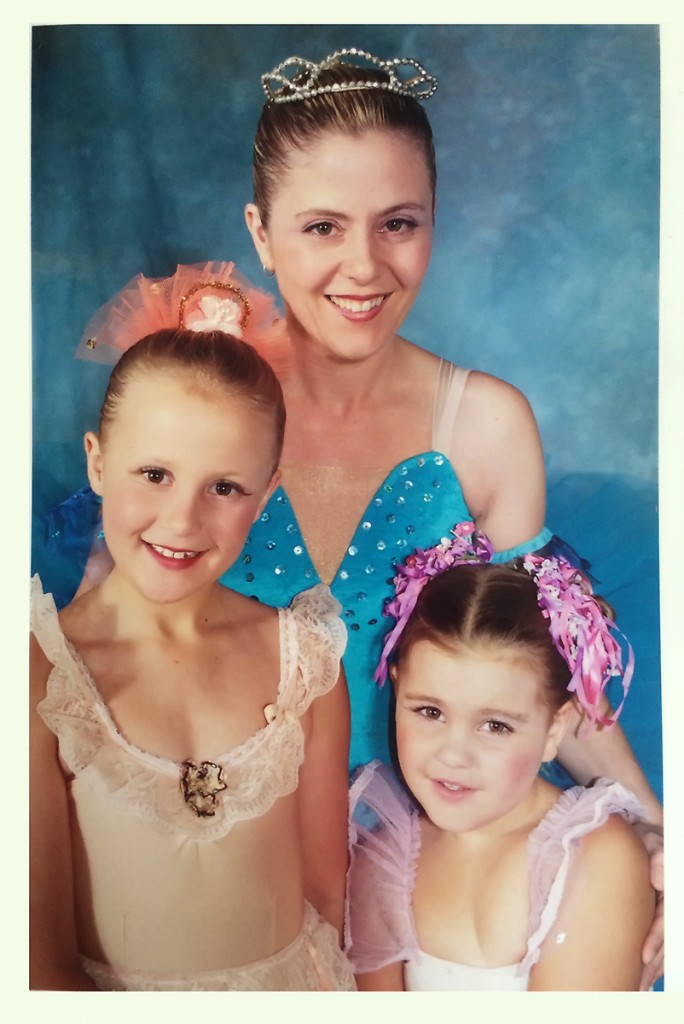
387	979
53	955
497	456
322	794
589	753
596	940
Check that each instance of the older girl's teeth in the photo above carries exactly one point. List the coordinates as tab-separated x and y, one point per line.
356	306
168	553
452	786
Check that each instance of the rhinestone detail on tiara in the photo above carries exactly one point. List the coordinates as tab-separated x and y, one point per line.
420	87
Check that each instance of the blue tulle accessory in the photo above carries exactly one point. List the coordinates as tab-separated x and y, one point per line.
74	523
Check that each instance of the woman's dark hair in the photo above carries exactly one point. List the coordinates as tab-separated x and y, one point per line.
209	359
351	112
476	606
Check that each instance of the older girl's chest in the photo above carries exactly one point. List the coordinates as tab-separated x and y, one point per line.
183	702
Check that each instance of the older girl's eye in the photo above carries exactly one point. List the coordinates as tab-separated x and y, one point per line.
223	488
154	474
497	728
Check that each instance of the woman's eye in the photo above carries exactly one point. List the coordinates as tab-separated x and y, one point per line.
399	224
497	728
154	475
322	228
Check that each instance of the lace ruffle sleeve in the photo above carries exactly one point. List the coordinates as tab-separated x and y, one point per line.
553	844
67	708
314	644
384	838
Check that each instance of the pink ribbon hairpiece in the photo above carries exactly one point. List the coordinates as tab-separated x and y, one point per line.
580	631
465	546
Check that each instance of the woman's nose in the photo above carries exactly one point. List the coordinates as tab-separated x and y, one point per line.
361	258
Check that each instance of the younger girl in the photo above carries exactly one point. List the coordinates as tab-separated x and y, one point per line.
480	874
180	839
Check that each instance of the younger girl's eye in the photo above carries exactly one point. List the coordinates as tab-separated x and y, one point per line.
429	711
497	728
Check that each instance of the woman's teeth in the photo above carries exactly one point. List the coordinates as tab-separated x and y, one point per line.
356	305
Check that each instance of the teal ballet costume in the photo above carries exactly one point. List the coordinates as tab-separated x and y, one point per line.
418	503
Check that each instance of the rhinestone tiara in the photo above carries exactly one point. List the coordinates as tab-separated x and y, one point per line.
280	85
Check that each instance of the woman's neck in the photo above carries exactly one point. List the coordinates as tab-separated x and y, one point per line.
341	386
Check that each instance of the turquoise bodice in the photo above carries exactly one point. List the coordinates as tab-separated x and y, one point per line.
417	504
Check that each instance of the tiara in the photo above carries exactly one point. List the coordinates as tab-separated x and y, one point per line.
199	297
296	78
580	631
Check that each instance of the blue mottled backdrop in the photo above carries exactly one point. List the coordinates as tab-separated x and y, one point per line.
545	269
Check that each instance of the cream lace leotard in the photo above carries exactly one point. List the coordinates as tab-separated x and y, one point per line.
161	896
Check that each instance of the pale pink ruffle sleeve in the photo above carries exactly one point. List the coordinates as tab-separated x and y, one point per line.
553	844
384	844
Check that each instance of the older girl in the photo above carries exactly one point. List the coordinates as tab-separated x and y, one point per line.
188	745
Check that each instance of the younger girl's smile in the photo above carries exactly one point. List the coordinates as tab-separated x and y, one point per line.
472	732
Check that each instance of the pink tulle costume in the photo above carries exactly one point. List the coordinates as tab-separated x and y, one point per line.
385	840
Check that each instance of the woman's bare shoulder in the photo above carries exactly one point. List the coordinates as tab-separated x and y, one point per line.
483	388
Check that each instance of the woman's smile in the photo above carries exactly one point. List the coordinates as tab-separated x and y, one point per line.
349	236
358	308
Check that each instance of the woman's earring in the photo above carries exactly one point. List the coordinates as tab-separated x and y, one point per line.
268	271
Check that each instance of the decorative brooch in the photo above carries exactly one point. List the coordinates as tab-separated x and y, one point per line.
200	784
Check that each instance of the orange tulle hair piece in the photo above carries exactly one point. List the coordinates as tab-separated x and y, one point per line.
200	296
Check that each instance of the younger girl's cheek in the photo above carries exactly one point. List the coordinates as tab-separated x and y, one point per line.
522	767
